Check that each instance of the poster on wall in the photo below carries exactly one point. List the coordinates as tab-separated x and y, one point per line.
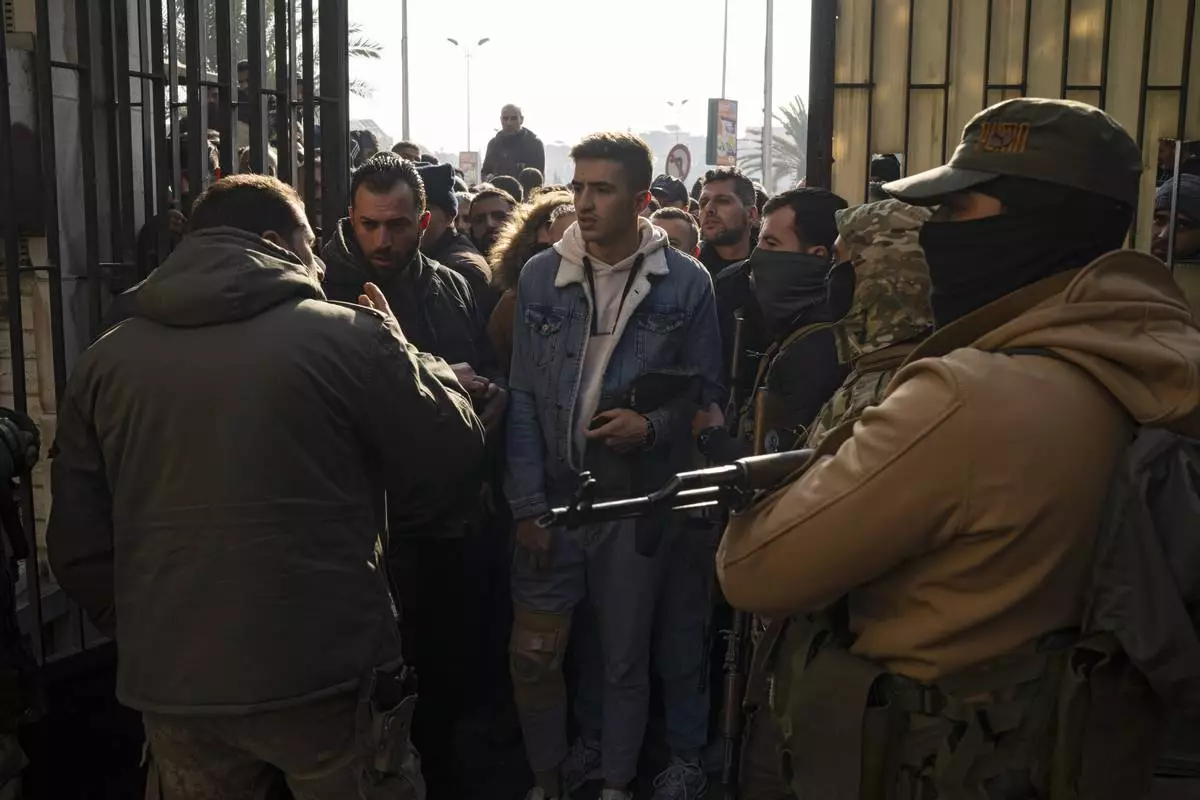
722	133
468	162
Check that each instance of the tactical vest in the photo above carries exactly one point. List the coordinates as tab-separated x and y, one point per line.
1057	722
769	421
863	388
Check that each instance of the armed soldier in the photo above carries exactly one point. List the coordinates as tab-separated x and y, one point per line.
951	533
799	370
879	293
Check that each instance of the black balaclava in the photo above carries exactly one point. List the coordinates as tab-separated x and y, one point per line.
787	285
1045	229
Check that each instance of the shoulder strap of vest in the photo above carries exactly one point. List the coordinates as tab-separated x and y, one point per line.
777	348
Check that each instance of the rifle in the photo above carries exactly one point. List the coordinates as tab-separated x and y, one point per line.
734	406
731	486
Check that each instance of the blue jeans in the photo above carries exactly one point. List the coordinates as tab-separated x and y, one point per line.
599	564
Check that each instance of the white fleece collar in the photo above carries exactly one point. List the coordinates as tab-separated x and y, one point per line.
571	248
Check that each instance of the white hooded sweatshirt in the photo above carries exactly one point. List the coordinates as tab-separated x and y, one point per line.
610	315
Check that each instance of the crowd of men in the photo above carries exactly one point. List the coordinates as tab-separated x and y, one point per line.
305	493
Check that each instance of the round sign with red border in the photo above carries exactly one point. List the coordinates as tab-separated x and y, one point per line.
679	162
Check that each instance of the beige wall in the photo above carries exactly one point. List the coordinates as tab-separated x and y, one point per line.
887	115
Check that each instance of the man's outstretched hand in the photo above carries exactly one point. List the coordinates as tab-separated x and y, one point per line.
373	298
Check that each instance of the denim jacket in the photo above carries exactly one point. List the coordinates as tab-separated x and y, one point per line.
673	327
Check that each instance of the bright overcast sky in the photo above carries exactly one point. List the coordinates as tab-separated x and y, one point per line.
612	66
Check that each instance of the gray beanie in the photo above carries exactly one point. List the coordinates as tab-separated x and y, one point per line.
1189	196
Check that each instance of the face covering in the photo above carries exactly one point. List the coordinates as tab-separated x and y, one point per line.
786	285
839	288
1045	229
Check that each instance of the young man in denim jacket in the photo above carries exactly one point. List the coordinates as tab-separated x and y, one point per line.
608	306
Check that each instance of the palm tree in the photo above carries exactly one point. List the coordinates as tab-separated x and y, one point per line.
789	146
366	48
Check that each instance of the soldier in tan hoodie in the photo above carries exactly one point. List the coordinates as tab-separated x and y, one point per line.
957	522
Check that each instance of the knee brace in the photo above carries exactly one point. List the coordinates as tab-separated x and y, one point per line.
535	658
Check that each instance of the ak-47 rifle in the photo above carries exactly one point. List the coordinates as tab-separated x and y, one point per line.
734	664
730	487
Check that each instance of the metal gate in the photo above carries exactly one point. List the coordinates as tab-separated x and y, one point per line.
106	113
905	76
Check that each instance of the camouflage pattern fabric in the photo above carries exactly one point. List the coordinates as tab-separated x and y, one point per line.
890	307
860	391
891	278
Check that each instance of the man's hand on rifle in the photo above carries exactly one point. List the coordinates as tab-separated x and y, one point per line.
621	429
536	542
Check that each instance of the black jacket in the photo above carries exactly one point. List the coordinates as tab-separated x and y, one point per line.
509	153
434	305
437	312
456	251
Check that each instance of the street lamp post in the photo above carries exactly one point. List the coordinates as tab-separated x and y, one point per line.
466	48
678	106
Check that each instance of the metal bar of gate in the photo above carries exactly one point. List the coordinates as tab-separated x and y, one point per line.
285	85
256	45
1066	52
87	159
197	99
45	79
146	89
1105	48
309	187
908	85
16	332
870	98
1185	80
227	102
45	93
162	152
109	98
173	99
822	57
335	113
124	176
946	78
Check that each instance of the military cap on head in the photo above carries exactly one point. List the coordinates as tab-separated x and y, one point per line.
1056	141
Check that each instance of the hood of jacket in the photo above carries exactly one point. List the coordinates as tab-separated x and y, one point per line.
891	279
518	239
222	275
651	246
1122	319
